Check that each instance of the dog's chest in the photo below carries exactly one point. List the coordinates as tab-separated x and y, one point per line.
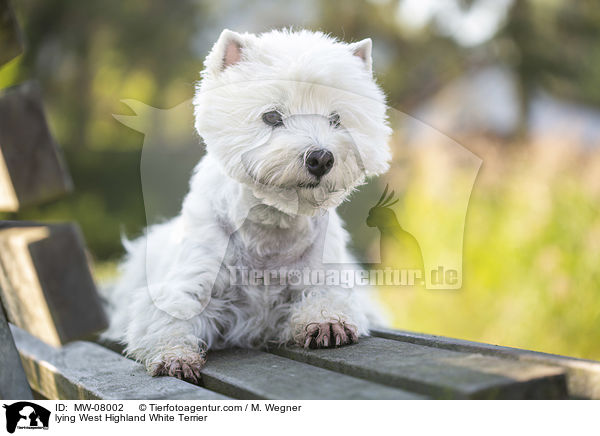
255	246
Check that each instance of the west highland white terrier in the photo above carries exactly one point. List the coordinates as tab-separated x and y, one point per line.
293	122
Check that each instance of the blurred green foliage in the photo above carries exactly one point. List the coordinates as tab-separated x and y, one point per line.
532	238
88	56
530	258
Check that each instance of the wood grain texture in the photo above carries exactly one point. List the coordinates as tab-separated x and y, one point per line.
583	376
88	371
437	372
32	169
46	286
13	382
252	374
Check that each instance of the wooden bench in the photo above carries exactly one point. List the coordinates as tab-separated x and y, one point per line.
389	365
49	298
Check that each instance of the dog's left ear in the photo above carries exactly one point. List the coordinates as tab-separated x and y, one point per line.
362	50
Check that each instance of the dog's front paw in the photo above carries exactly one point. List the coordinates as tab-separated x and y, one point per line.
186	367
328	335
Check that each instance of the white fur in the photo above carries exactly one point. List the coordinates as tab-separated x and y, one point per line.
247	207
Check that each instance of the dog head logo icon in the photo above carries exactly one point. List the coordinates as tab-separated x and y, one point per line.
26	415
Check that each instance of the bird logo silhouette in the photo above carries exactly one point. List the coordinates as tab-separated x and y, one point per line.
399	249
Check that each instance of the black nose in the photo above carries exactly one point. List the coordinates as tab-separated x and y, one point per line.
319	162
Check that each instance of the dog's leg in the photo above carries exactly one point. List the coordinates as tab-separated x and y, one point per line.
333	316
167	328
166	344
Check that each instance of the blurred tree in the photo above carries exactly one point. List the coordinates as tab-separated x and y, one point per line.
574	60
552	46
410	68
88	56
549	45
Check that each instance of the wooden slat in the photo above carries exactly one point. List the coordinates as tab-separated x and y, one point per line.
11	40
13	382
46	286
251	374
88	371
583	376
31	165
437	372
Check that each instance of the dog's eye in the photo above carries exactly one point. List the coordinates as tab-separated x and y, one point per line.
334	120
272	118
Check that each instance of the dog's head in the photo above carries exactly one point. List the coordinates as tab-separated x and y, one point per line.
297	116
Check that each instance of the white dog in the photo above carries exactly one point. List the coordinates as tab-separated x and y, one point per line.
293	122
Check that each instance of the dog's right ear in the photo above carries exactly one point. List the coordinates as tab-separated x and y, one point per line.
227	51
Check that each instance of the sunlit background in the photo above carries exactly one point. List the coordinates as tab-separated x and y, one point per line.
515	82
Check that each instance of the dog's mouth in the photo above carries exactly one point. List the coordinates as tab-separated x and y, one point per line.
309	185
303	184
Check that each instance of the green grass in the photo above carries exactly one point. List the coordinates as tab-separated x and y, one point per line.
531	257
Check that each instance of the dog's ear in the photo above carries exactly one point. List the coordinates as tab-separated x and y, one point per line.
362	50
227	51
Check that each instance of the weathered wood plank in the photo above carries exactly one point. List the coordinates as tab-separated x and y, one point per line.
437	372
31	165
88	371
45	283
13	382
251	374
583	376
11	40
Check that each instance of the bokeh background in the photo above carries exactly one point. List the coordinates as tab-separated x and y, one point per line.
515	82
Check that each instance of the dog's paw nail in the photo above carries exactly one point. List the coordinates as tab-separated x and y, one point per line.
328	334
352	334
307	343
